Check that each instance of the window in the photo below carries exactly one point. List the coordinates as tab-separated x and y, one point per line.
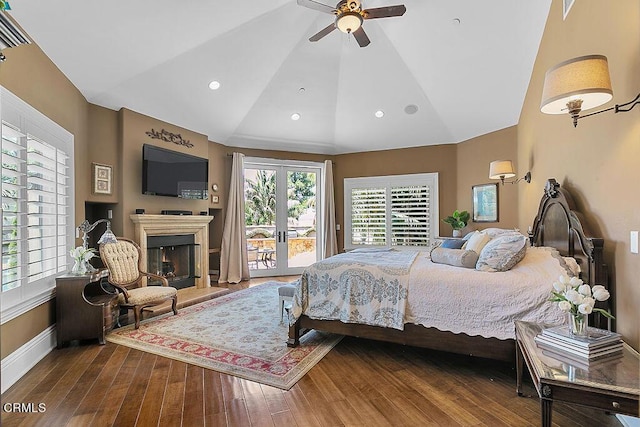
400	210
37	205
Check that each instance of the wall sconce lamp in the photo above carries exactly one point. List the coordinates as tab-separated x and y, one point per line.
107	236
580	84
503	169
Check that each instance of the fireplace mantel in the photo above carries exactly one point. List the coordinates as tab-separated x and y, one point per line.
167	225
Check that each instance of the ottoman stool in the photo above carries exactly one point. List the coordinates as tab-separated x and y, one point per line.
285	293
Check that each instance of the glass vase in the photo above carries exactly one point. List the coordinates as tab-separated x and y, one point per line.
578	324
79	267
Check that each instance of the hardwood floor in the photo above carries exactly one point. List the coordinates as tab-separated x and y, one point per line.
358	383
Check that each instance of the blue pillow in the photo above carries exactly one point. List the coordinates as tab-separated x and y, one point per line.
452	244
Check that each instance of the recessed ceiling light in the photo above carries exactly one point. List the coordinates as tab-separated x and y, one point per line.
379	114
301	90
295	116
214	85
456	21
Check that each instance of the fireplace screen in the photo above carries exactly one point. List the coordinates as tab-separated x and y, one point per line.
175	258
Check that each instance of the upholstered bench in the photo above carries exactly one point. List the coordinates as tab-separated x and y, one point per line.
285	293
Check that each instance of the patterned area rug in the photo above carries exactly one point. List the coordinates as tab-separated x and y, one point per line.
238	334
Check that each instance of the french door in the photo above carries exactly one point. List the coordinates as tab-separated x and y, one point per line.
282	215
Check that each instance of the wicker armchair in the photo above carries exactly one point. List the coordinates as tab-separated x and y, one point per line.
123	261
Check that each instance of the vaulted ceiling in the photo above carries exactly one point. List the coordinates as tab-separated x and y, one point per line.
445	72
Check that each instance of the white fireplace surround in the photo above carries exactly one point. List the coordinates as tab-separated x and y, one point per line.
169	225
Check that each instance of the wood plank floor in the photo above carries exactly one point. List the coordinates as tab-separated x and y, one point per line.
358	383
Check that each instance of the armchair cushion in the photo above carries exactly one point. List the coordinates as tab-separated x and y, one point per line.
148	295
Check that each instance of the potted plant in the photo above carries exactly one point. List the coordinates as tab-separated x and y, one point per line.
457	220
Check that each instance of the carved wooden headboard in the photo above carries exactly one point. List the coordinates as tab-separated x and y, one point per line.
558	225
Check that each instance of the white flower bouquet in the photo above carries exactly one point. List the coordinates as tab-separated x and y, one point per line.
81	257
578	300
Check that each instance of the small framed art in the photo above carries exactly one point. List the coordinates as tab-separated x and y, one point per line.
485	203
102	178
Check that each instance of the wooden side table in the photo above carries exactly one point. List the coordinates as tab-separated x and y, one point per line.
84	310
612	386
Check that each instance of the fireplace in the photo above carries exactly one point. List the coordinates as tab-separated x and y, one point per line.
174	258
148	226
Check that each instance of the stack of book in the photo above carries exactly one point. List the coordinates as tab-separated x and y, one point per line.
598	345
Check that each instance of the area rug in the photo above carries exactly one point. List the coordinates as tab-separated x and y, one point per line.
238	334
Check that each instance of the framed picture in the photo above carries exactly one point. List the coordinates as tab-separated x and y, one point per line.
102	178
485	203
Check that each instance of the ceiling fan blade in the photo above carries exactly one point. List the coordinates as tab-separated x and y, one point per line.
384	12
320	34
312	4
361	37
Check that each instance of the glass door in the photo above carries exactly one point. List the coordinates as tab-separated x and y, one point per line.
281	216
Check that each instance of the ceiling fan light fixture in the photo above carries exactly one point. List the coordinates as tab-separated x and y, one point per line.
348	22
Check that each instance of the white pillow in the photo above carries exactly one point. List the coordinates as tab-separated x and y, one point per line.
502	253
476	242
494	232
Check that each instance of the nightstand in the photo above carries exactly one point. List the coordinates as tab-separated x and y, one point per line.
84	310
612	386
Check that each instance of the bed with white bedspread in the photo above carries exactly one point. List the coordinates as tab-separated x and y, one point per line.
411	300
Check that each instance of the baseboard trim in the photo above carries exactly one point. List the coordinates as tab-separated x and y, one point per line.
18	363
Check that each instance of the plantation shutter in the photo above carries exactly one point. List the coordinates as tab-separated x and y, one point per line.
391	211
13	191
410	222
47	211
368	216
37	205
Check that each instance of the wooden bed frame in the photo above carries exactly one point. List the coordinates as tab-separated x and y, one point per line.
556	224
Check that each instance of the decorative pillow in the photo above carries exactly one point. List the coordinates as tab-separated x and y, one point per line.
494	232
454	257
452	243
476	242
502	253
468	235
572	266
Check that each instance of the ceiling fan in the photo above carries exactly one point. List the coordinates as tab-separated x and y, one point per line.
349	17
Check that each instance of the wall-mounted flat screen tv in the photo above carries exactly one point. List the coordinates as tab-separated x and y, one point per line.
170	173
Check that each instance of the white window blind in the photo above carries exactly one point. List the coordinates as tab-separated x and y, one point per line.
368	216
410	215
400	210
37	205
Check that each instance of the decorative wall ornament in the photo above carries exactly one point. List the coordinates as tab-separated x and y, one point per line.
164	135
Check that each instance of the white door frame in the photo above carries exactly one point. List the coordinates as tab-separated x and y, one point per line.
281	235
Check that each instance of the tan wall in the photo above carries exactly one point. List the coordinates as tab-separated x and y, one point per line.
473	159
597	161
134	127
437	158
30	75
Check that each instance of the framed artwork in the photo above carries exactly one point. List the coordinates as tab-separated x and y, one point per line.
102	178
485	203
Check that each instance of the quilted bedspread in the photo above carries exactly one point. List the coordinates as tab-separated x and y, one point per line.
390	288
362	286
